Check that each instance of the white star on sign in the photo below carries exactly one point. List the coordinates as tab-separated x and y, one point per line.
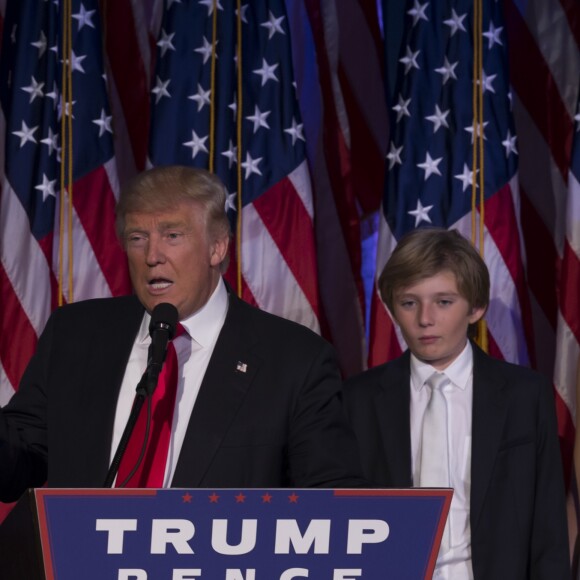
26	134
478	132
259	118
487	82
296	131
34	89
510	144
209	5
196	144
165	43
231	153
160	89
201	98
466	177
40	44
273	25
402	108
421	214
51	141
418	12
251	165
394	155
492	35
206	49
430	166
455	23
104	123
84	17
439	119
231	202
266	72
410	60
447	71
47	187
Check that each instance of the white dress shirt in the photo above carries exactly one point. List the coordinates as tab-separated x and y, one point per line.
454	564
194	349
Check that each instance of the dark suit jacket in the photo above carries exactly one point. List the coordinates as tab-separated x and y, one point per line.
517	511
279	424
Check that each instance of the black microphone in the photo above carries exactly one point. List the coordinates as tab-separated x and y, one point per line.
162	327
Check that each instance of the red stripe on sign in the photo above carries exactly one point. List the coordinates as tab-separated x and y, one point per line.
47	247
566	434
492	347
130	74
231	277
569	286
384	344
542	259
501	223
15	329
368	168
336	151
572	11
290	226
544	103
94	202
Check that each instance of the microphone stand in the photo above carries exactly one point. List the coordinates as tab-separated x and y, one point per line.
131	422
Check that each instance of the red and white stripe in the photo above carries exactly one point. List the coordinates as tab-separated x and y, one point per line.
545	69
278	250
502	255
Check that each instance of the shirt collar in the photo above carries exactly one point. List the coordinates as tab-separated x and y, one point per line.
458	372
204	325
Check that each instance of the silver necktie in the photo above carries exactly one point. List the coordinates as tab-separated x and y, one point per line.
434	443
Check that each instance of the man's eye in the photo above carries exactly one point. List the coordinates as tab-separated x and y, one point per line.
135	239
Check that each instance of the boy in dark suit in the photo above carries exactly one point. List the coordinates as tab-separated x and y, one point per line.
445	414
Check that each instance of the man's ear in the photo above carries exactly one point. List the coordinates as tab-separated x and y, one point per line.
476	314
219	250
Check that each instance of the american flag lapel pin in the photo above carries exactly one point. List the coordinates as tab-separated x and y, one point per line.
241	367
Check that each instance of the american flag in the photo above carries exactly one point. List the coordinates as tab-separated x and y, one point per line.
57	242
431	163
339	68
545	74
532	320
254	140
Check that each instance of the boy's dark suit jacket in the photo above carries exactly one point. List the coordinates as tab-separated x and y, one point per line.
278	424
518	521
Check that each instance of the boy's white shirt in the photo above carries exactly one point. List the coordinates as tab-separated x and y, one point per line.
456	562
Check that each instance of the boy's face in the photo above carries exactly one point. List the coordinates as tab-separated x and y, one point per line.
434	318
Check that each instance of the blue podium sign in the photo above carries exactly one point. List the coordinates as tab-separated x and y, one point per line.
250	534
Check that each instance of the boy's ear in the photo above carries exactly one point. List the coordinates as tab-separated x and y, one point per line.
476	313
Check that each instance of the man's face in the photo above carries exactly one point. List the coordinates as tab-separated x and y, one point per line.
172	258
434	318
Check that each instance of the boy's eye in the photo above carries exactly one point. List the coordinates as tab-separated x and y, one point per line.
445	302
407	304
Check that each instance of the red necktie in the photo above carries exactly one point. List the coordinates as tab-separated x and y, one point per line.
152	469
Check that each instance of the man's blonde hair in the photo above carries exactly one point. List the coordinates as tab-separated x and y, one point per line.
163	188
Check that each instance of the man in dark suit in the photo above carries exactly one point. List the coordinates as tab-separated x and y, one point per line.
257	402
445	414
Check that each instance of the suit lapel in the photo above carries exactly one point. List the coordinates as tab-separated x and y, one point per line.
102	378
392	408
489	413
229	374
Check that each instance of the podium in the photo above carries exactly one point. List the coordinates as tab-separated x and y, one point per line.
215	534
